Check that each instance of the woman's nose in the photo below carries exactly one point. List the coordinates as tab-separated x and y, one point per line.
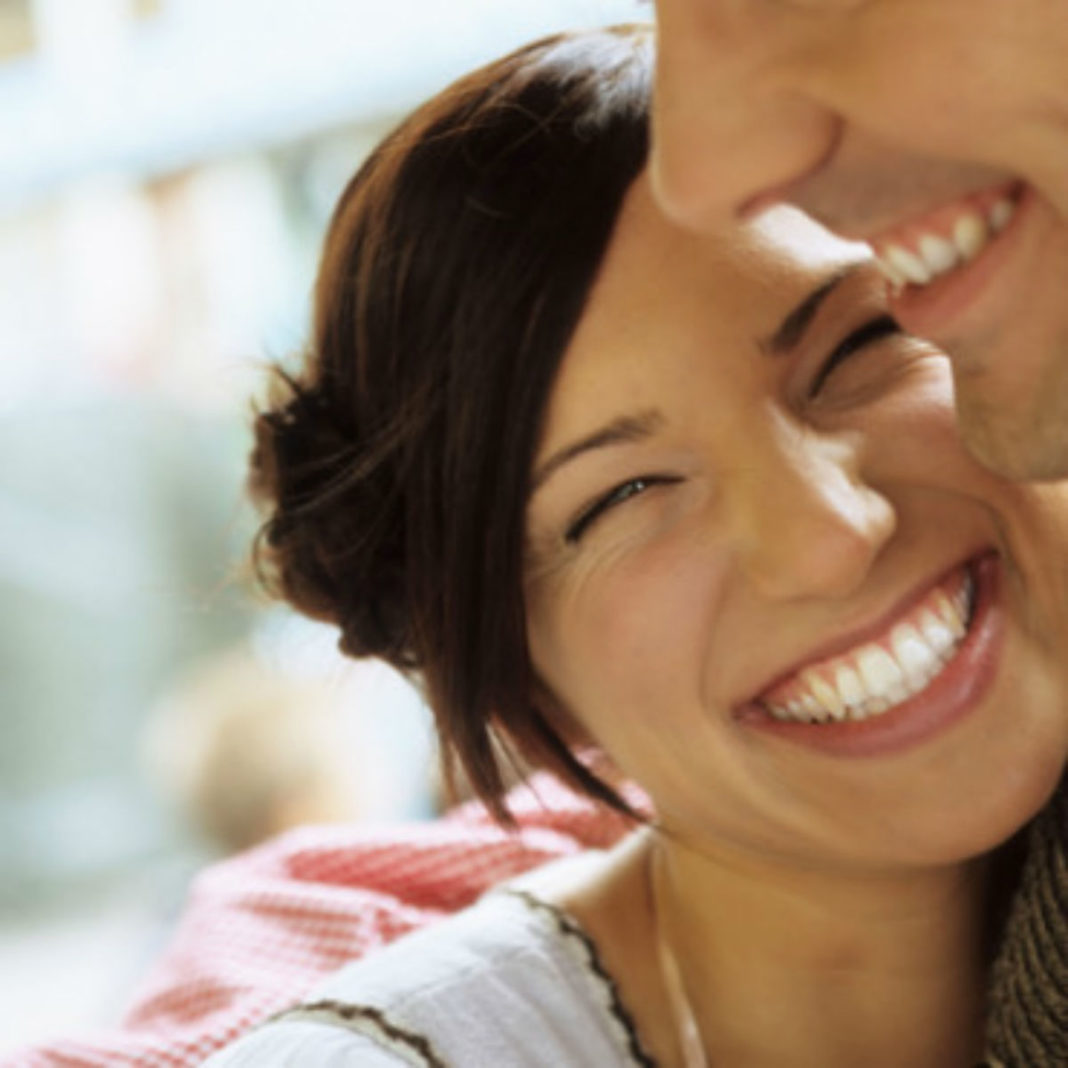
729	129
804	524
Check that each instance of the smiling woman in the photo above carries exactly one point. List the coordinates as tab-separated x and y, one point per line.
686	512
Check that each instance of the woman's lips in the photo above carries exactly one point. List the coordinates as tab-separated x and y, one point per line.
946	698
870	677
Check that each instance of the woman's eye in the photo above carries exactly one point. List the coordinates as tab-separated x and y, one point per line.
872	331
614	497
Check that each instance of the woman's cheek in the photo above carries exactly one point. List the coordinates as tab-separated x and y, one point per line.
630	627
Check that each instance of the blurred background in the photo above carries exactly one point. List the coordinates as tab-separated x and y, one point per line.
167	168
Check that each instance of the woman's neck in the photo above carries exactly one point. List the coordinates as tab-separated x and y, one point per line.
828	968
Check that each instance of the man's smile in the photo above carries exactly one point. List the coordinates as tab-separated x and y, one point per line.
922	250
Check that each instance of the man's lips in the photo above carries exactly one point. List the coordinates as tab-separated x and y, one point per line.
944	240
968	293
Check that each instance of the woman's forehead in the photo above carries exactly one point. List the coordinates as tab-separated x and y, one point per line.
658	279
666	300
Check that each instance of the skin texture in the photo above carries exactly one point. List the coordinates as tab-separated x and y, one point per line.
786	521
871	113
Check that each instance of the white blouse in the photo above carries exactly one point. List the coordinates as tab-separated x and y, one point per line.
512	982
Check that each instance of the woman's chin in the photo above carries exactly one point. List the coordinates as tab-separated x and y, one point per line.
988	815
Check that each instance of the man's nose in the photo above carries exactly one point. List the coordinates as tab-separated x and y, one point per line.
803	523
729	129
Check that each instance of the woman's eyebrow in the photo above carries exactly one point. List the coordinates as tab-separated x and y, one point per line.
792	329
619	431
628	428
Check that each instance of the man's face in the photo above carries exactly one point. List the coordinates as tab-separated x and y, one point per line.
937	130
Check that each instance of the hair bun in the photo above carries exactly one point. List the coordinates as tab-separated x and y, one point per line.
329	544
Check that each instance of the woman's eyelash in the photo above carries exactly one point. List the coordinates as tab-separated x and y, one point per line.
615	496
873	330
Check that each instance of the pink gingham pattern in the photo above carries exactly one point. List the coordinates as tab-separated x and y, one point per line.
261	928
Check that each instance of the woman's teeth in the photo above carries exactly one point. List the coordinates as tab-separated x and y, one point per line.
925	256
877	676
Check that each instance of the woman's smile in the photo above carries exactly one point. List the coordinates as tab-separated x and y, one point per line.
918	674
878	673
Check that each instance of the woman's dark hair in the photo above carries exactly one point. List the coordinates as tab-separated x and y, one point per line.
395	467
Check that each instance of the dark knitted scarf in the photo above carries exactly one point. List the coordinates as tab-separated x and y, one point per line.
1028	1013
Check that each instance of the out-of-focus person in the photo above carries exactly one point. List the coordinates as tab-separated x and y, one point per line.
248	750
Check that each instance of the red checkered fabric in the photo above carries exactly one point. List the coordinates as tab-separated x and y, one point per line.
262	928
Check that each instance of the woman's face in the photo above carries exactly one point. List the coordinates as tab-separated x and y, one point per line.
764	575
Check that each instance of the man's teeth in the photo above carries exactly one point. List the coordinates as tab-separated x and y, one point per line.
877	676
932	255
